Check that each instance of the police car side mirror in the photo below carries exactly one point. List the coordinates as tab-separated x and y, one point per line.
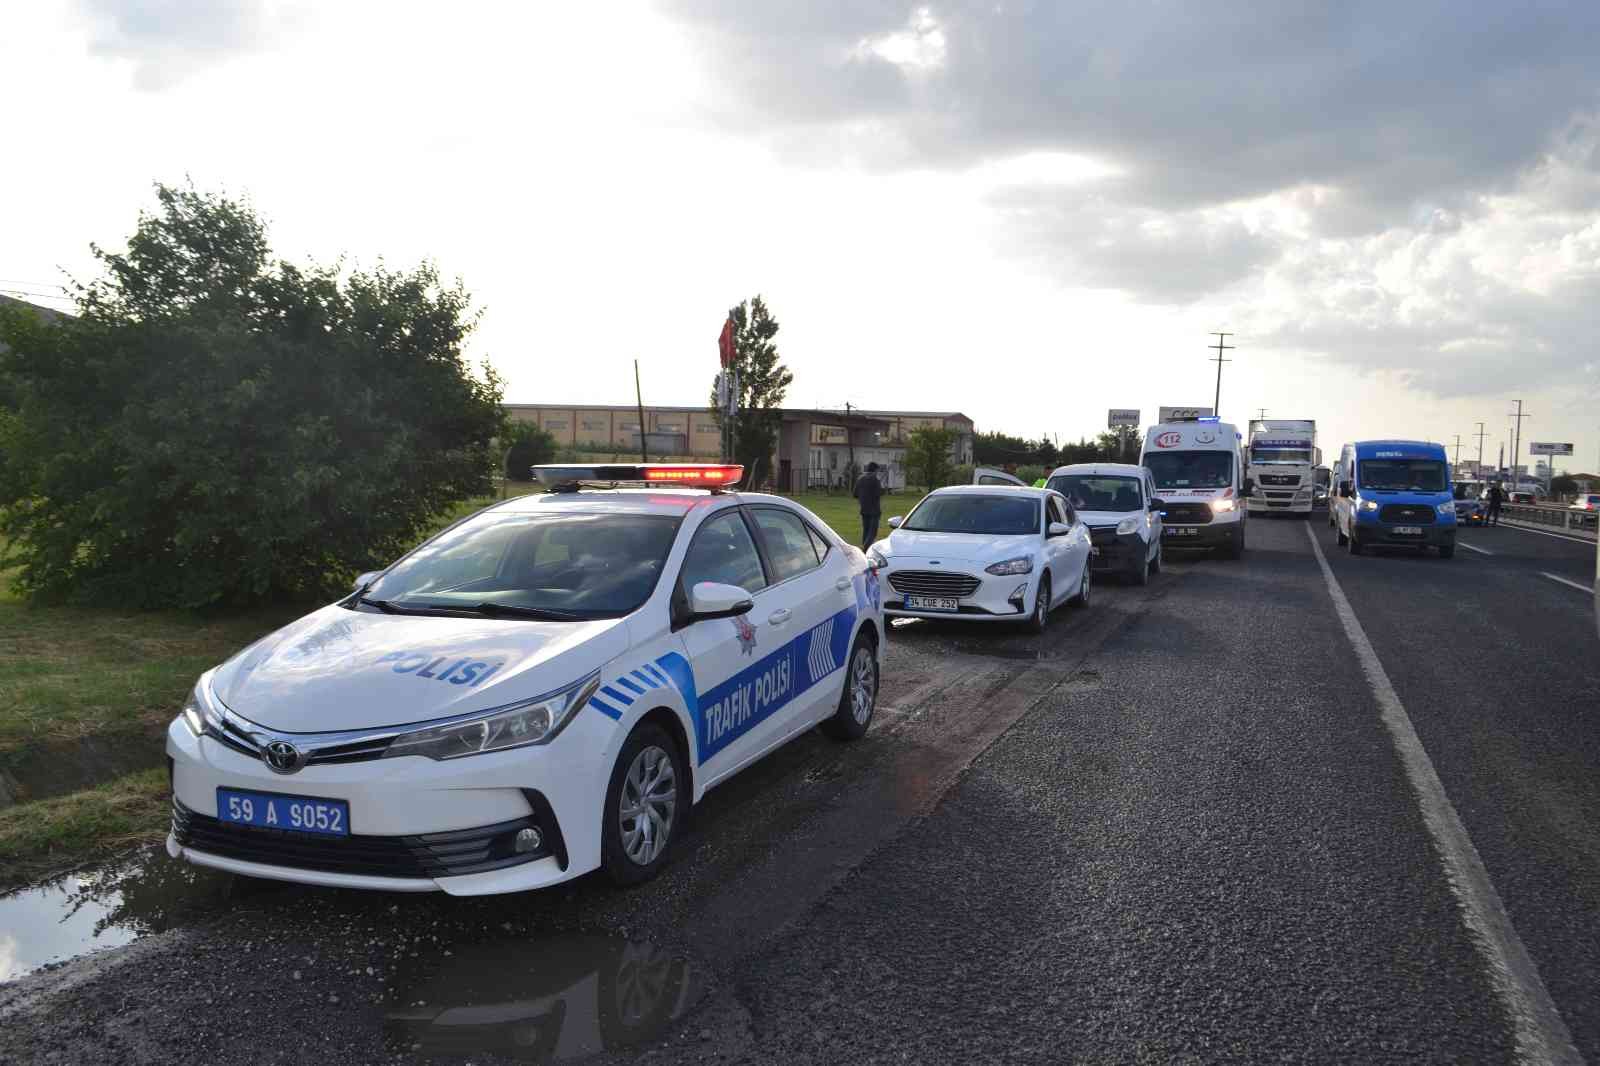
894	523
710	599
363	580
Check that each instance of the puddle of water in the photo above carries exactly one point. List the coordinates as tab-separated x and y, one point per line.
101	906
548	1000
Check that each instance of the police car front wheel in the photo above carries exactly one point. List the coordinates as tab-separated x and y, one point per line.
645	804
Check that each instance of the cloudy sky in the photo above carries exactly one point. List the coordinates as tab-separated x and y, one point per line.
1026	211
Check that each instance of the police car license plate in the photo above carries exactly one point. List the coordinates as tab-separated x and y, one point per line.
1179	531
1407	531
272	810
932	603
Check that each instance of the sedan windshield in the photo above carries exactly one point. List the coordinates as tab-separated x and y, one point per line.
1091	493
1403	475
995	516
1468	490
549	566
1191	470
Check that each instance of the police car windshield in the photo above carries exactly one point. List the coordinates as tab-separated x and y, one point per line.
578	566
995	516
1093	493
1191	470
1403	475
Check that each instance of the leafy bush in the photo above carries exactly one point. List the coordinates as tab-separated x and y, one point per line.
218	425
530	445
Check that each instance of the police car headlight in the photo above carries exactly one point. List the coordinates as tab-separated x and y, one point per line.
1369	505
1128	525
1023	565
515	725
199	715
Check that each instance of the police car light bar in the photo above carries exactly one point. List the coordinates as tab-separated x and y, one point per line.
688	475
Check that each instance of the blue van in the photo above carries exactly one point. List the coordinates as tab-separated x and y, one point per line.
1394	492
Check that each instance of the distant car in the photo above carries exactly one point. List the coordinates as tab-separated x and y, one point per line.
1589	501
1471	508
1522	499
982	553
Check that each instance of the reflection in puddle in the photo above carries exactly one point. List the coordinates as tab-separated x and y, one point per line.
548	1000
101	906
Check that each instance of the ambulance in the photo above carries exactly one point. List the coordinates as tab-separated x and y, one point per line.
1198	466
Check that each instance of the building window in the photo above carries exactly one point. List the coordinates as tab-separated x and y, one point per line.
556	423
628	425
593	424
669	427
707	427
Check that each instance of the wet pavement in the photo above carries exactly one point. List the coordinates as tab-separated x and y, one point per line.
1170	828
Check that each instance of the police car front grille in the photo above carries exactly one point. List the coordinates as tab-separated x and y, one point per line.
1187	514
464	851
1411	514
933	583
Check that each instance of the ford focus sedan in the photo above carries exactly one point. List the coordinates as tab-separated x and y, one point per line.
985	553
541	690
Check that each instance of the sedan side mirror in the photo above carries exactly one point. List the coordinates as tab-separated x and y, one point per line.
894	523
711	599
1058	529
1157	504
1344	490
363	580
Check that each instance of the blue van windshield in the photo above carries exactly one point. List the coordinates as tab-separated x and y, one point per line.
1403	475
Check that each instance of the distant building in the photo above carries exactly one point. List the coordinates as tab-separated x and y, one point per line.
815	447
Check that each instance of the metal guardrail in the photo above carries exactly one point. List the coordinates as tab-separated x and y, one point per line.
1556	517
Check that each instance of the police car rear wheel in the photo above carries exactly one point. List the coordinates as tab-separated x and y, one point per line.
860	696
643	802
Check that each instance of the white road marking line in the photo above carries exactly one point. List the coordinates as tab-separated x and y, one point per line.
1585	589
1540	1034
1546	533
1473	548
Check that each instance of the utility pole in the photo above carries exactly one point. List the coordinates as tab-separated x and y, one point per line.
638	395
1261	415
850	442
1480	436
1516	447
1221	346
1458	450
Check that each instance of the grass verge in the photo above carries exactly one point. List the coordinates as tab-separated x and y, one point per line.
38	837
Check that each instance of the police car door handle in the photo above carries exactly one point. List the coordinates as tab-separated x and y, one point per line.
778	617
843	584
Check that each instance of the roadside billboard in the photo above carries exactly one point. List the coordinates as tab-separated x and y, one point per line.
1123	416
1184	414
1548	448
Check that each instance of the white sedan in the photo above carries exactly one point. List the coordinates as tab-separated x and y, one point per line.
541	690
985	553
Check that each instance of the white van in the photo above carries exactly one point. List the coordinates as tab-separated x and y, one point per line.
1199	473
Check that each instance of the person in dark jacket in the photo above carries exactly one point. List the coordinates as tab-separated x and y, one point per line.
1496	498
869	493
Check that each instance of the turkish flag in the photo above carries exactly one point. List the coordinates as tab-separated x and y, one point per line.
725	345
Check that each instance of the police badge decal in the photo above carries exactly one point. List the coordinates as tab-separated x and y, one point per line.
747	635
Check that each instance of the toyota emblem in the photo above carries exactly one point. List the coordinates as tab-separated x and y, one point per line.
283	756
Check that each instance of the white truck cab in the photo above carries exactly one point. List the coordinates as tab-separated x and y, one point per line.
1199	472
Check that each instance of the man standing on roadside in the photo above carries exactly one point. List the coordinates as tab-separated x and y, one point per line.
1496	498
869	491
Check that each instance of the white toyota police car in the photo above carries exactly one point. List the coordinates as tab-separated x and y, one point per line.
540	690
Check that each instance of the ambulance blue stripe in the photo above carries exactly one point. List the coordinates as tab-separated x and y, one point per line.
605	709
647	679
630	686
621	697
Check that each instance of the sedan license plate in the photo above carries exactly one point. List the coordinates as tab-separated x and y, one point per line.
1407	531
1179	531
272	810
932	603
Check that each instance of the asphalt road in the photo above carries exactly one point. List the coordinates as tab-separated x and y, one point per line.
1173	828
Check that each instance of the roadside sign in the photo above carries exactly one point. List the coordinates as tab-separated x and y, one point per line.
1184	414
1548	448
1122	416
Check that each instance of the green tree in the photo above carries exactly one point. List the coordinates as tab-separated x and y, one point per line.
763	382
221	426
928	455
1564	485
527	445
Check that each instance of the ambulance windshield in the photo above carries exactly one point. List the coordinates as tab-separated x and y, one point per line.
1191	470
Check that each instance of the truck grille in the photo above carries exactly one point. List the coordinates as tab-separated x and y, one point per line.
1187	514
463	851
933	583
1280	479
1406	513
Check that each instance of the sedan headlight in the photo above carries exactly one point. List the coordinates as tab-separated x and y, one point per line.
1220	506
1022	565
877	558
1128	525
1369	505
199	715
534	721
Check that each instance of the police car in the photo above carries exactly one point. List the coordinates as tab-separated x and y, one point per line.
541	690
